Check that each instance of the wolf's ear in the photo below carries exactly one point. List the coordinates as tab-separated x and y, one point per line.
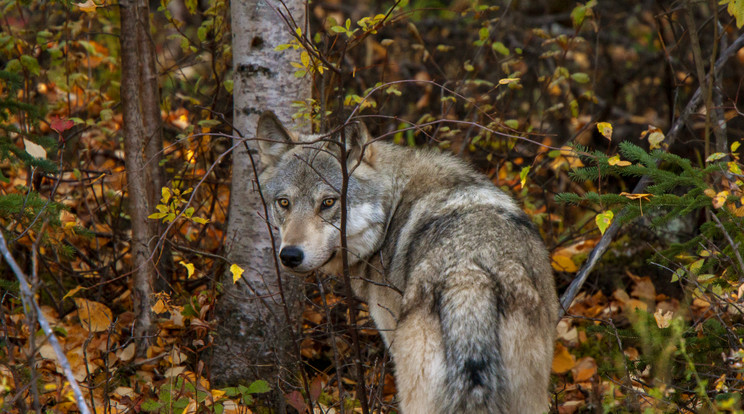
273	138
357	144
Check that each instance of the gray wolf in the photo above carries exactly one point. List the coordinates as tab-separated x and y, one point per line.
456	277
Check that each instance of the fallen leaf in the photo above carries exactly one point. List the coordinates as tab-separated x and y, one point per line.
644	289
563	361
127	353
663	319
566	332
173	372
584	369
94	316
34	150
159	307
634	304
88	6
563	263
296	400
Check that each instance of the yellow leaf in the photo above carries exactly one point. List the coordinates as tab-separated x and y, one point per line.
94	316
305	59
563	263
734	168
663	319
237	272
34	150
605	128
563	361
507	81
604	220
616	161
523	175
720	199
655	139
735	146
696	266
88	6
189	268
637	196
166	194
72	292
200	220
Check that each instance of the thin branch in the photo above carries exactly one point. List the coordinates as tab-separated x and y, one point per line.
28	299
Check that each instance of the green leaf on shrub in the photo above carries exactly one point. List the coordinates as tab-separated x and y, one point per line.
604	220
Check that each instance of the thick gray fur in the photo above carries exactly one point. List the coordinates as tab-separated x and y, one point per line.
456	277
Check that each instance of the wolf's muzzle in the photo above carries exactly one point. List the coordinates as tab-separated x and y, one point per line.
291	256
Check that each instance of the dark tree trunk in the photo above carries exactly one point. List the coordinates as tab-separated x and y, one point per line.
143	145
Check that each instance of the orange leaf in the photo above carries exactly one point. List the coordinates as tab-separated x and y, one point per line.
584	369
563	361
94	316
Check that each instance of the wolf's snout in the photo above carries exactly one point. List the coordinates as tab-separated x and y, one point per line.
291	256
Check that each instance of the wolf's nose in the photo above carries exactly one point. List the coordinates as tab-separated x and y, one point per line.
291	256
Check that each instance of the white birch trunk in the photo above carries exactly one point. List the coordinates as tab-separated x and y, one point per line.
254	338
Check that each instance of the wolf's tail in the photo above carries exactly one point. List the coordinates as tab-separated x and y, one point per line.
470	314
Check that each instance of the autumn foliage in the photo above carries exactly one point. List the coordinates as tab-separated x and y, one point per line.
580	110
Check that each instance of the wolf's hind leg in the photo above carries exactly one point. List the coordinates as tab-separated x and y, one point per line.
419	362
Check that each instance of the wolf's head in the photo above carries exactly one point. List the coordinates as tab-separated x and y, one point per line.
302	186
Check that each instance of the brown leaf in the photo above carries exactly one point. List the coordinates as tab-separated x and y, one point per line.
295	399
644	289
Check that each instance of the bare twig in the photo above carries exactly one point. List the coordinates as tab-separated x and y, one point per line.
604	242
28	299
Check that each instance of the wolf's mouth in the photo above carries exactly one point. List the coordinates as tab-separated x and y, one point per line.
329	259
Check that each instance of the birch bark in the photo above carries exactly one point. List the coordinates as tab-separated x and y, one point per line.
255	338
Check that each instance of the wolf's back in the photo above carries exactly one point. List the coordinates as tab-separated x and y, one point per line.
471	263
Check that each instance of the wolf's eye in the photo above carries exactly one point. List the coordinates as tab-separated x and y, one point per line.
327	203
282	202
